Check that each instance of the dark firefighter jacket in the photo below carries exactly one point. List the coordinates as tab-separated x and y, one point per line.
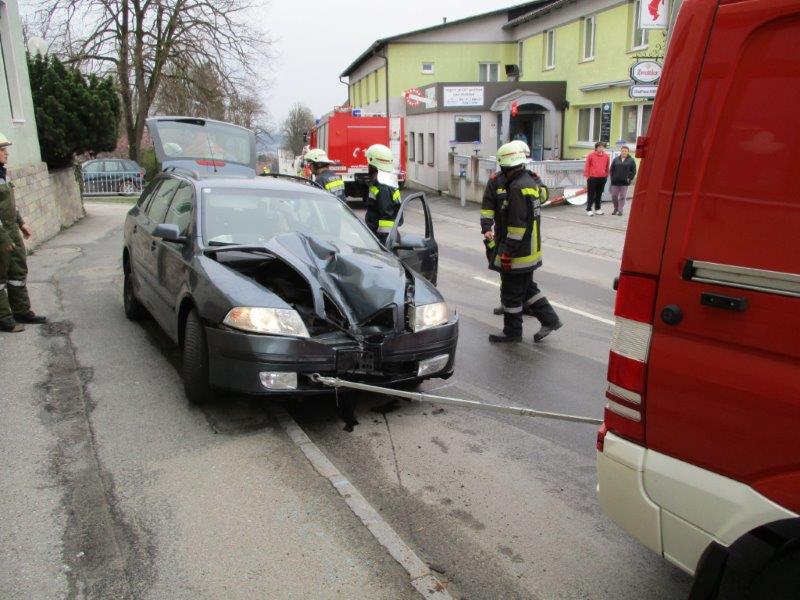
10	219
382	207
495	213
332	182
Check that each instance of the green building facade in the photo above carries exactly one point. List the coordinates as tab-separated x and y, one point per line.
588	44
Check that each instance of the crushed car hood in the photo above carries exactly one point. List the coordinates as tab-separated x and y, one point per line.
360	282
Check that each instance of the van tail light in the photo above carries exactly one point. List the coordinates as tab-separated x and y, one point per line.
641	146
627	361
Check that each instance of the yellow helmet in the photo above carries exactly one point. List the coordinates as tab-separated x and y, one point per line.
4	141
512	154
380	157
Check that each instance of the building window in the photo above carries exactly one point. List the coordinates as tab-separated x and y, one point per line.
635	119
468	129
421	148
488	71
589	28
9	62
411	153
639	36
550	49
427	68
431	148
377	87
589	124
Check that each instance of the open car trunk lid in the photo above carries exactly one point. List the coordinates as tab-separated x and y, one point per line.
203	145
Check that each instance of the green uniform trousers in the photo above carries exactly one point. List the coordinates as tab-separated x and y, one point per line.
13	274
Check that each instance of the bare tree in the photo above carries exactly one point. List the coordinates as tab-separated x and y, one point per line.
296	125
147	41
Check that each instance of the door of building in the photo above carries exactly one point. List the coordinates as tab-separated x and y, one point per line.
537	137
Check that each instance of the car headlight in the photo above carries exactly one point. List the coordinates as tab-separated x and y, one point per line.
427	316
279	321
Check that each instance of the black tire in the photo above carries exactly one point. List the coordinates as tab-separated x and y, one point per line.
134	310
195	362
779	579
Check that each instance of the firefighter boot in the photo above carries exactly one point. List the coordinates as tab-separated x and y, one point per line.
8	325
31	318
546	330
502	338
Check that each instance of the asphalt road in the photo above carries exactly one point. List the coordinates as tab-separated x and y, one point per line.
116	488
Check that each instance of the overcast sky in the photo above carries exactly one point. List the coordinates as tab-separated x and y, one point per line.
315	41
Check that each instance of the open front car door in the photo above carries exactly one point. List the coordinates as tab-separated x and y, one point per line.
412	239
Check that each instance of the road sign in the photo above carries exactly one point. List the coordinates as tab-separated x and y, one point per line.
646	72
642	91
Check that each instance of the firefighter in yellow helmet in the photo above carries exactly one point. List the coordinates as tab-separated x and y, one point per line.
320	168
15	306
518	248
383	201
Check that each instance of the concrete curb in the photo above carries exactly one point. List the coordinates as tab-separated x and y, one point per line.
421	576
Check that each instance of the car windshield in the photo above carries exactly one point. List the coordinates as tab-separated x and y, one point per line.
237	216
186	139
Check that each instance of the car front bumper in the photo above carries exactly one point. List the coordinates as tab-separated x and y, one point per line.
236	358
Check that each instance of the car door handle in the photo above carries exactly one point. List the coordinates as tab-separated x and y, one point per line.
724	302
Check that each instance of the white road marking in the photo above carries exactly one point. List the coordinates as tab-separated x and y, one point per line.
423	580
577	311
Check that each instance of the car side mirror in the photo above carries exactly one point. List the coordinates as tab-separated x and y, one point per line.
169	233
401	245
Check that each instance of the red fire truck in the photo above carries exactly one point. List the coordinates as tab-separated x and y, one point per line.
345	134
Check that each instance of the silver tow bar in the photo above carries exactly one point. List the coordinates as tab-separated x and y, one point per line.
336	383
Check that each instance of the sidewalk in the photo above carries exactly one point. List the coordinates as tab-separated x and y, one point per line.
565	226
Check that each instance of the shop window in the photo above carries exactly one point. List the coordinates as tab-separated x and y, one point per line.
431	148
589	124
639	36
635	119
468	129
550	49
421	148
589	30
9	64
427	68
411	153
488	71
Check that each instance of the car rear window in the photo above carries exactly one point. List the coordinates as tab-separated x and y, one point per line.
236	216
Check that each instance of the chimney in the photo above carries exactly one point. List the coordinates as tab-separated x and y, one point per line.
444	20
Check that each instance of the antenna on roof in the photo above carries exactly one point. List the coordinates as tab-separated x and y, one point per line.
444	20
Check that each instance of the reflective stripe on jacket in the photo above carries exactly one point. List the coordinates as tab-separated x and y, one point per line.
518	226
332	183
382	206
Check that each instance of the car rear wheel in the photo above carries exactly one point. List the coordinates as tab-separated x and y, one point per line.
134	309
195	362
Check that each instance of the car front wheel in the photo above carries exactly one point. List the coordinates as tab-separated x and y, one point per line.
195	362
134	309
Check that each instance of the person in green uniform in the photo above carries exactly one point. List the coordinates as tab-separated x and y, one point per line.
15	306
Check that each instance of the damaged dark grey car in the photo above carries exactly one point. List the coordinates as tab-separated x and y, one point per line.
264	281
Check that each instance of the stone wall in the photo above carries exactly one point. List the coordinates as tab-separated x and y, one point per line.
49	201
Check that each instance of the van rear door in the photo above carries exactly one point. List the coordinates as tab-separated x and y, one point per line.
723	388
203	145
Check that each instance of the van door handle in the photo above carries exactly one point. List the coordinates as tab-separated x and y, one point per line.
723	302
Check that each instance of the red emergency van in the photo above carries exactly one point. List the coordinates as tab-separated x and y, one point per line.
700	446
345	134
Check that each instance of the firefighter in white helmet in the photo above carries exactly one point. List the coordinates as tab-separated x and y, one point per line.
15	305
320	169
384	196
518	251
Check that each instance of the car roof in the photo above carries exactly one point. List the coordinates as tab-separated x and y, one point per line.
277	184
